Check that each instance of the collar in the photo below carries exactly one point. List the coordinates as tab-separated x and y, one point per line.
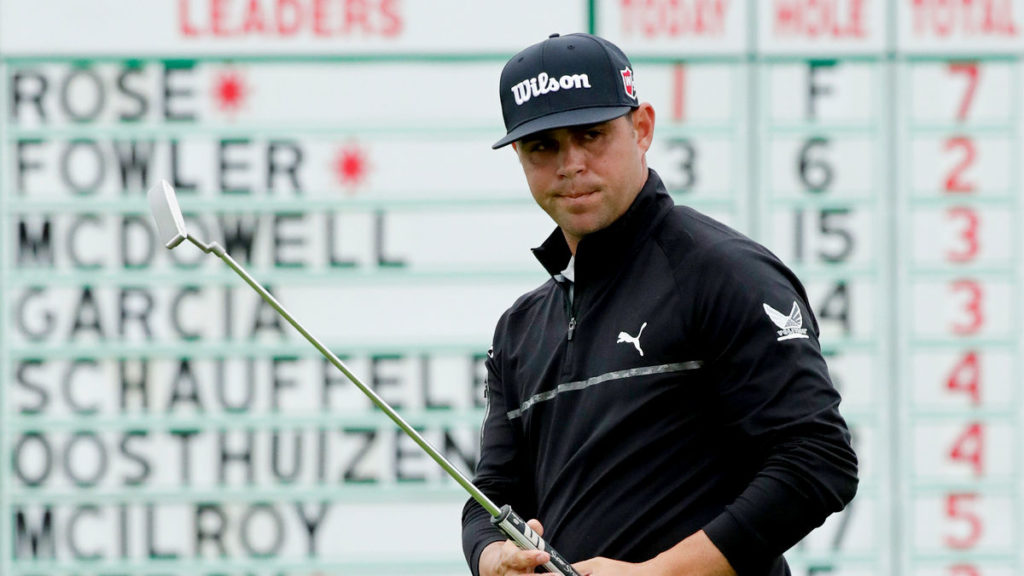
605	249
569	273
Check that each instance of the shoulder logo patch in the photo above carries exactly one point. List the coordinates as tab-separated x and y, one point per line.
790	326
634	340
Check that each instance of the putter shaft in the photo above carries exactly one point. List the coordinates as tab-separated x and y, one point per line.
448	467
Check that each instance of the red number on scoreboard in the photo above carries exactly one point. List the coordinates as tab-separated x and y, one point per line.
678	93
975	317
955	182
966	377
957	509
968	236
964	570
970	69
969	448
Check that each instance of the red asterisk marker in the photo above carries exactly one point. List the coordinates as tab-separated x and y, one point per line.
351	165
229	91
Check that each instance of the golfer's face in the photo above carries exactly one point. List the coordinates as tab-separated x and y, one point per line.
585	177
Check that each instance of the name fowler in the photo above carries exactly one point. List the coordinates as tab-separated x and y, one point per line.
542	84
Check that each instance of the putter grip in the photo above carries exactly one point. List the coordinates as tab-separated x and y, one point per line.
524	537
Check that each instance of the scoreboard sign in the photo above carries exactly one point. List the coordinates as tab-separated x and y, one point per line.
156	417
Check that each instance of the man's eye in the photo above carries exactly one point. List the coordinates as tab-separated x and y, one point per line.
592	134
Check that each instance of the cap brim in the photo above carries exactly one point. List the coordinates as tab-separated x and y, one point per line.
576	117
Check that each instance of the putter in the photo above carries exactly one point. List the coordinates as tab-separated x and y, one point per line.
170	225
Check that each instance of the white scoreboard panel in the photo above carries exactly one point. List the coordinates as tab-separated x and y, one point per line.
157	418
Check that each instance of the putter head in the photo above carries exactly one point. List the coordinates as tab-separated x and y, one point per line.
170	224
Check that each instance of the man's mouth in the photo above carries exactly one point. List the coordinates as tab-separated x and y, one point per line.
572	195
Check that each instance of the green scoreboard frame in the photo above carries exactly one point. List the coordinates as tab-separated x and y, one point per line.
155	419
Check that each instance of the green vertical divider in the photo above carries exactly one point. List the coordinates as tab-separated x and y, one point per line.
756	139
891	106
740	201
6	533
1017	257
901	94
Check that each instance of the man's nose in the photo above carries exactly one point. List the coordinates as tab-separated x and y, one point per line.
572	160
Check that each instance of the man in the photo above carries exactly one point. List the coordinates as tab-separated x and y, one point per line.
661	405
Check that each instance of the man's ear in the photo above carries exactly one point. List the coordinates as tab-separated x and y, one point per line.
643	125
515	150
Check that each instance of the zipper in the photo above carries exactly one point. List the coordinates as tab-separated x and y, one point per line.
570	307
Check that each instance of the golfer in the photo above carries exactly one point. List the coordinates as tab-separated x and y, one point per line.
660	405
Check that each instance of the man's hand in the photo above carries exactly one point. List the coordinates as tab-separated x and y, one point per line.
507	559
607	567
695	555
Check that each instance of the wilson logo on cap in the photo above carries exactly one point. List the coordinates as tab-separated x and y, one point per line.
542	84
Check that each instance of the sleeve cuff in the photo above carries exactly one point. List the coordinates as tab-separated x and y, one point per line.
744	550
474	561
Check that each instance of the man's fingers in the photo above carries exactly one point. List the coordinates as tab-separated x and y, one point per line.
585	567
507	559
525	560
515	560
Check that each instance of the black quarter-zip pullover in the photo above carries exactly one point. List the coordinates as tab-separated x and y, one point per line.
684	389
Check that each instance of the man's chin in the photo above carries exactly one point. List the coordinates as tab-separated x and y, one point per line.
581	229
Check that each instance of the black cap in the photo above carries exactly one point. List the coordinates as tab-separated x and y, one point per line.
564	81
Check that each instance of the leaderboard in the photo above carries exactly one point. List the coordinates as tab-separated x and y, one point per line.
157	417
